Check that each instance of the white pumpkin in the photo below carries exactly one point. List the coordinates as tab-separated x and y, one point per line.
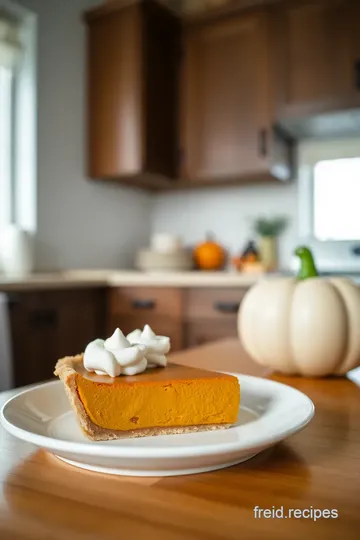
309	327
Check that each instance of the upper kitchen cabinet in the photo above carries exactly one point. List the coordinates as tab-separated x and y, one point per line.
133	51
318	66
227	111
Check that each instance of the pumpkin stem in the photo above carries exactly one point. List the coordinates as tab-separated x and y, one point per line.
307	264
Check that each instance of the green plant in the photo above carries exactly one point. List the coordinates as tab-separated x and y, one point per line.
270	226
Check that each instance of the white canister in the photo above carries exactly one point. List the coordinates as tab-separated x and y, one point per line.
16	252
165	243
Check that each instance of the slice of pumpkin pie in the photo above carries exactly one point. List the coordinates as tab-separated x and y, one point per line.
114	393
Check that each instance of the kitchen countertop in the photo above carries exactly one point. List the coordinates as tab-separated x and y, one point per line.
118	278
317	468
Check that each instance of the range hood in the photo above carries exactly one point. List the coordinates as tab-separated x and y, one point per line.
344	123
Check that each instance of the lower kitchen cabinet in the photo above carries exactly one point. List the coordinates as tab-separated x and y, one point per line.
190	317
47	325
208	304
205	331
161	308
211	314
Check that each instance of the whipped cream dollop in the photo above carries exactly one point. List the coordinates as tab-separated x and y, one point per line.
157	347
115	356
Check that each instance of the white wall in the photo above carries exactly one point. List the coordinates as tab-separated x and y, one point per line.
227	212
86	224
80	223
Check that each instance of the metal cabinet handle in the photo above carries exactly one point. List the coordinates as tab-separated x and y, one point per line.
263	142
356	250
12	300
143	304
227	307
43	317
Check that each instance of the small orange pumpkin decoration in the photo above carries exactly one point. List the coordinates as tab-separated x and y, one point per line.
209	255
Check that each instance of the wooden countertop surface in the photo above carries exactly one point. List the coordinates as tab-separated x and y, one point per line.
319	468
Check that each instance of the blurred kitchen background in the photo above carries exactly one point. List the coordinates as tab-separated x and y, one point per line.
158	158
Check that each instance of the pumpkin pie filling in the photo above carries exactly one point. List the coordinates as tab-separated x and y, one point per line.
180	397
124	387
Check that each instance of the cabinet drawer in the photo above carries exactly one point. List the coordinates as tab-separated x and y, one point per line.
202	332
160	324
213	303
146	301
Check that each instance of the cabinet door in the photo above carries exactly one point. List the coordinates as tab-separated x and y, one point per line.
206	331
160	307
348	53
225	97
211	314
33	322
48	325
162	49
133	55
209	303
318	52
115	94
146	301
81	319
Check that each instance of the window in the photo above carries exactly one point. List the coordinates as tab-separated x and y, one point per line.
5	144
329	202
337	199
10	52
17	116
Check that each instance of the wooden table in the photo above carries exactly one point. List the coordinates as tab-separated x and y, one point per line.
43	498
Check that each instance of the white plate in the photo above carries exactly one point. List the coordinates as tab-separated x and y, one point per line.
269	413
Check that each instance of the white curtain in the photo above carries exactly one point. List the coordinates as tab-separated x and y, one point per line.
10	44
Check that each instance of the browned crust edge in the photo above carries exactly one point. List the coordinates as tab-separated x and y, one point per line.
65	370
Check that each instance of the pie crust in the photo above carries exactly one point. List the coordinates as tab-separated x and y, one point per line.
65	369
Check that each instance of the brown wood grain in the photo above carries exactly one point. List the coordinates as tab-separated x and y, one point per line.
140	75
226	102
195	10
115	111
190	317
208	330
51	324
210	314
212	303
146	301
160	307
133	54
43	498
225	91
317	45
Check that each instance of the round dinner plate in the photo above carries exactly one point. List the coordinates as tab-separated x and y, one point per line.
269	412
